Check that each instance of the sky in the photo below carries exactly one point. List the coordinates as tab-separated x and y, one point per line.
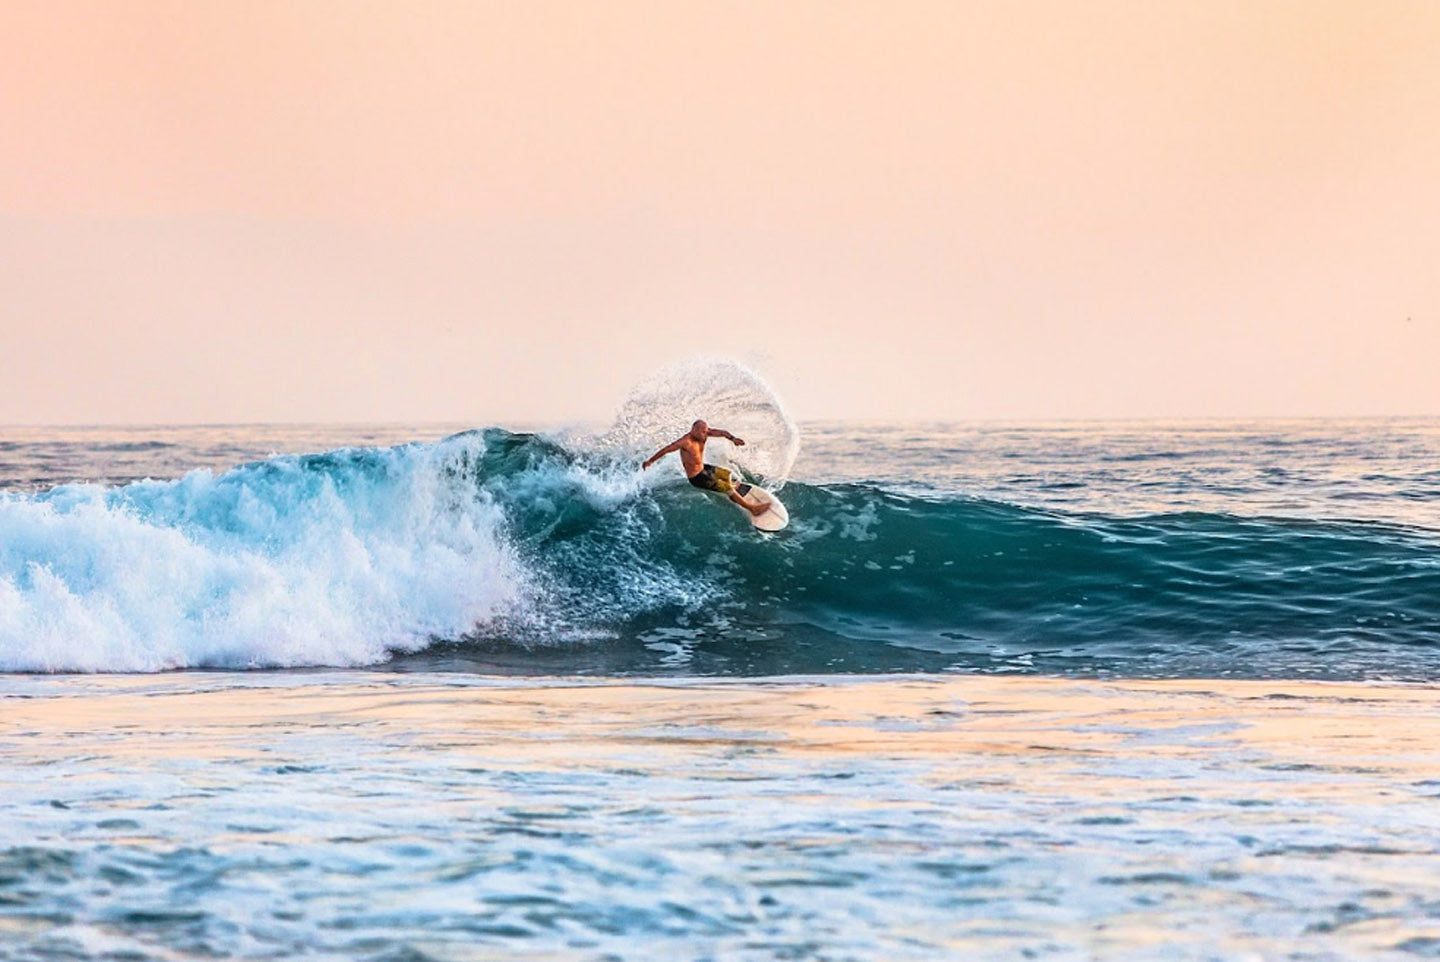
489	212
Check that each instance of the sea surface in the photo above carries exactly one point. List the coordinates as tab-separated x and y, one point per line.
1070	690
1146	549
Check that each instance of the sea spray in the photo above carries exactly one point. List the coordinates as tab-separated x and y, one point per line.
728	395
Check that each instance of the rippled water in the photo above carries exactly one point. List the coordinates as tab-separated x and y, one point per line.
387	817
1366	469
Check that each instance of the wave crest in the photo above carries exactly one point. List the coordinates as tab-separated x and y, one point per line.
335	559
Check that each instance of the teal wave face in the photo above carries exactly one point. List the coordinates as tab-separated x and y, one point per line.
870	579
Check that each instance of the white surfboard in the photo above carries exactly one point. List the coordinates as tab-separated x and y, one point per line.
774	518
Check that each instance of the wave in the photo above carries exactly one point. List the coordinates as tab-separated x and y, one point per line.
334	559
503	551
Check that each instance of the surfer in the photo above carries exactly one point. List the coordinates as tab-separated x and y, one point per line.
707	477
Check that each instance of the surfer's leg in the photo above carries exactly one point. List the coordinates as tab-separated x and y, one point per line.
756	508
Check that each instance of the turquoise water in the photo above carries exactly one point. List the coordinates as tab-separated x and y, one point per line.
1274	549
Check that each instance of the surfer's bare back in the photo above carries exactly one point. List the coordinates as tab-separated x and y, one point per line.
706	476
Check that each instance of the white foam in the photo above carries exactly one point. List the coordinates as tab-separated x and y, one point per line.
288	562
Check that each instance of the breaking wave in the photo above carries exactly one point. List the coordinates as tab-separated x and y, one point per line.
498	549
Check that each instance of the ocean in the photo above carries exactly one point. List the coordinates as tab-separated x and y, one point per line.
1069	690
1228	549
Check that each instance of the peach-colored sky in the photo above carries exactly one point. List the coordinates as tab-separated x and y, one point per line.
489	212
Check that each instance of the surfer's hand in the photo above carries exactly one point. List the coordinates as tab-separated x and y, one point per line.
738	442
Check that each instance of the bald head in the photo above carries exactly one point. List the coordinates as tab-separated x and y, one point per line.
699	430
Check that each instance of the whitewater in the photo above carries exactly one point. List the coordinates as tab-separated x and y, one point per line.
1259	549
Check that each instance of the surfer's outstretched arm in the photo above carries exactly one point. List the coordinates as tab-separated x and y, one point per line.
720	433
672	446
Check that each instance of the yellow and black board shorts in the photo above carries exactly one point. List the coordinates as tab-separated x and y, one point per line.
711	478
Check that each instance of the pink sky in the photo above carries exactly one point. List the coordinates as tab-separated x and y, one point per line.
489	212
